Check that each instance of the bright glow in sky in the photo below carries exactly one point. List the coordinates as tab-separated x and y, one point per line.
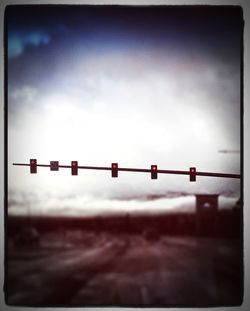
98	91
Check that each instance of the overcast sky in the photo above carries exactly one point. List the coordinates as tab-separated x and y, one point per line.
133	85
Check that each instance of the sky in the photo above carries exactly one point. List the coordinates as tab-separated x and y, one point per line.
133	85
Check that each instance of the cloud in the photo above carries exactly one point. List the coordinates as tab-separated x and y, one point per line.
17	42
134	108
25	94
20	100
98	96
126	108
86	205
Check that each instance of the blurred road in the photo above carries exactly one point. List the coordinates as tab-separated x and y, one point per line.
123	270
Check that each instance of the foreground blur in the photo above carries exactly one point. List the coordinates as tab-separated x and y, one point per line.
84	267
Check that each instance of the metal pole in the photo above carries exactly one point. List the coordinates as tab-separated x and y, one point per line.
140	170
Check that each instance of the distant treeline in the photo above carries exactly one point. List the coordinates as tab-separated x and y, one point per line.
227	223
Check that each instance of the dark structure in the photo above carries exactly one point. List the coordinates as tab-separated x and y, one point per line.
206	214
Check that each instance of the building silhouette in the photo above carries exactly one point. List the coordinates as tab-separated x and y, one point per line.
206	214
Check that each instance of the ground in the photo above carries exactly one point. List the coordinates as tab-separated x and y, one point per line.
78	269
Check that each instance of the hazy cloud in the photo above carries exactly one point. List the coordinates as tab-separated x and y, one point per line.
23	204
24	95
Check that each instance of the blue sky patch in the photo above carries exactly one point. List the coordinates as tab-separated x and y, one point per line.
18	42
